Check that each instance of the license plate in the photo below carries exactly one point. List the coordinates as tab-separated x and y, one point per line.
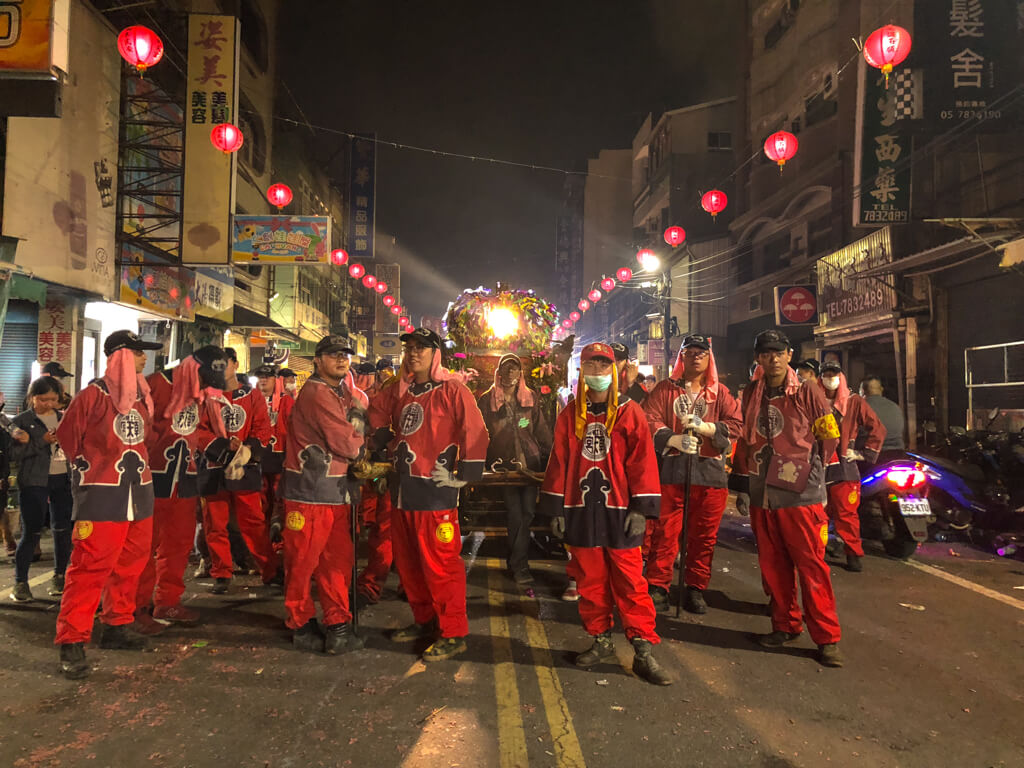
915	507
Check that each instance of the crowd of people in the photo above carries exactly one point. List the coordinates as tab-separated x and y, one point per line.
632	477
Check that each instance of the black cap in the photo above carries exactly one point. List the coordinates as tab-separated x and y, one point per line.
208	355
329	344
56	370
128	340
771	341
621	351
365	368
285	372
265	370
696	340
831	367
811	365
424	336
384	364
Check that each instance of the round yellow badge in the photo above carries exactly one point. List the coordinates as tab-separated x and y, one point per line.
852	498
824	533
83	529
445	532
295	521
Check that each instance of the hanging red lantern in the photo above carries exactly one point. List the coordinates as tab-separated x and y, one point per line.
339	257
675	236
645	254
396	310
567	323
625	274
594	296
575	316
714	202
381	287
607	284
369	281
584	305
141	47
227	138
886	48
357	271
388	300
404	320
279	195
780	147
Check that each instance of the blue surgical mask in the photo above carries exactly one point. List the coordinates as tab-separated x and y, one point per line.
598	383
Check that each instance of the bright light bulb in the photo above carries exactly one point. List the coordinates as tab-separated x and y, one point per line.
650	262
502	321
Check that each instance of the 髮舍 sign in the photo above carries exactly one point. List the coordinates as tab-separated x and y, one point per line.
796	305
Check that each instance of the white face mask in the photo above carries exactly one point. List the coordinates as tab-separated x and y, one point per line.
831	383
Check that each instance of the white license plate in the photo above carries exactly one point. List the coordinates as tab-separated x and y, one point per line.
915	507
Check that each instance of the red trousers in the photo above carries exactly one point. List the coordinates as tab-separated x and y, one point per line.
608	578
791	545
661	542
106	561
248	506
376	512
174	530
428	548
843	500
317	545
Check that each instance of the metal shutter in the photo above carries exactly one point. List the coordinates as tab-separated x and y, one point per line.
17	353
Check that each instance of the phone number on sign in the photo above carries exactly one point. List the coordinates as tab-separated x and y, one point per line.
856	303
971	114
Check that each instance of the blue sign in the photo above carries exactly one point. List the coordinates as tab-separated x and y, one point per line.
362	196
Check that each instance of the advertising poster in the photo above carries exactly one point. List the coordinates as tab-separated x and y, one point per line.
281	239
165	291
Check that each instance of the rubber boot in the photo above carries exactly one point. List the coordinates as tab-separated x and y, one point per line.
693	600
776	639
603	648
122	638
659	595
829	655
646	666
853	564
72	661
308	637
416	632
340	638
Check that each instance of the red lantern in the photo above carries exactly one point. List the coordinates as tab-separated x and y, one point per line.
388	300
594	296
575	316
886	48
714	202
279	195
370	281
567	323
357	271
339	257
404	320
141	47
607	284
227	138
396	310
625	274
675	236
381	287
780	147
584	305
644	254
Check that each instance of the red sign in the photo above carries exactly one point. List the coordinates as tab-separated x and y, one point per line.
796	305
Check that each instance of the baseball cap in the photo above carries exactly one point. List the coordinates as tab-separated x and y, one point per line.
621	351
696	340
384	364
597	351
424	336
265	370
810	364
128	340
771	341
365	368
831	367
209	355
55	369
285	372
329	344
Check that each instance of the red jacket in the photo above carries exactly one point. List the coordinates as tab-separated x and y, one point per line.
321	443
273	458
855	419
174	443
107	451
597	480
246	418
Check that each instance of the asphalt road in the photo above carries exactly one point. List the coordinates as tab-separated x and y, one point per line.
934	677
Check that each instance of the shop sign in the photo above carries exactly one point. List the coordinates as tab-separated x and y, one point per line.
844	295
33	36
56	340
281	239
796	305
215	292
362	197
165	291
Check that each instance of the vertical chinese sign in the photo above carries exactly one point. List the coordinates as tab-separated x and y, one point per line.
56	341
362	186
881	181
212	98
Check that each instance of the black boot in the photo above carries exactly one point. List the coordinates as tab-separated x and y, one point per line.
659	595
603	648
72	661
122	638
645	665
776	638
220	586
693	600
340	638
308	637
416	632
853	564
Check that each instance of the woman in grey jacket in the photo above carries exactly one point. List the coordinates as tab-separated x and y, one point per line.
44	480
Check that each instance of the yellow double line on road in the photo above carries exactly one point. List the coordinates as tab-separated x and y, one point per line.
511	731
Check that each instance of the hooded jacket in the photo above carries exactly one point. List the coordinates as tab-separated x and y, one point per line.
856	419
519	433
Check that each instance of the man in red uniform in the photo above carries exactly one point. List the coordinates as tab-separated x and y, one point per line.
437	428
789	435
628	374
326	434
694	419
103	434
236	481
187	401
856	420
279	408
600	488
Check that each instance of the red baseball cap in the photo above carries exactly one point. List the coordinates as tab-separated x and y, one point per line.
597	350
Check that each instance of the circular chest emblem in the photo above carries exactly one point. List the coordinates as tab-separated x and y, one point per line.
445	532
186	420
295	521
595	442
775	422
411	419
234	417
129	427
681	407
83	529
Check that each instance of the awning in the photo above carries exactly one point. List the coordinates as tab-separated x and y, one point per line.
944	256
247	318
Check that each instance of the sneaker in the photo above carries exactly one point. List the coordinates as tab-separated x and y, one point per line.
829	655
122	638
202	570
693	600
144	623
571	594
308	637
776	639
56	586
341	638
21	593
853	564
178	614
445	648
646	666
659	595
602	649
220	586
415	632
72	661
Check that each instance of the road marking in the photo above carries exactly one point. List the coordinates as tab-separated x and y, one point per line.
511	732
1013	603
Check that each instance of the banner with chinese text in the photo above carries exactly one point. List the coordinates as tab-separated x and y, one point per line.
281	239
844	296
362	186
215	293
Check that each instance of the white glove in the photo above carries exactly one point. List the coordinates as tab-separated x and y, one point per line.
852	455
702	428
235	469
443	478
743	504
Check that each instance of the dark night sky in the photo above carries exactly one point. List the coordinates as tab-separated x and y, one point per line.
547	83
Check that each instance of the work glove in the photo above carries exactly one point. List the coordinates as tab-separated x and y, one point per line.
743	504
443	478
852	455
235	469
687	444
702	428
357	418
636	524
558	527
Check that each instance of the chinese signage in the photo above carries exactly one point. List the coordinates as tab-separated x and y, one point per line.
215	292
166	291
56	341
796	305
281	239
362	184
971	53
33	36
211	98
391	274
881	184
845	296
